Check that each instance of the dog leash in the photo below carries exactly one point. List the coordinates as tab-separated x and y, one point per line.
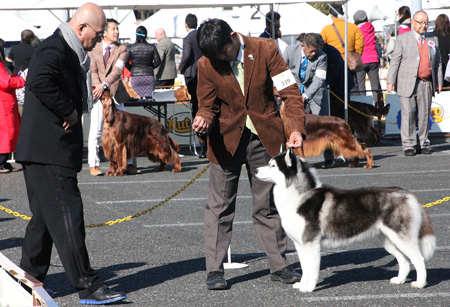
364	114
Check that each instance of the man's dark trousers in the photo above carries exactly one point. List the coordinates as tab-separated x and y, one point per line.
57	218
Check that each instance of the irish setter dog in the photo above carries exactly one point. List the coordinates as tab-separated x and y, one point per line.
127	135
329	132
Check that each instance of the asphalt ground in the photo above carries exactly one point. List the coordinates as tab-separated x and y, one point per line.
158	258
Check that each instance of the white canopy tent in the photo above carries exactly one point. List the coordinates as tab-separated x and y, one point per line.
389	9
137	4
173	20
296	18
56	10
12	33
44	22
144	4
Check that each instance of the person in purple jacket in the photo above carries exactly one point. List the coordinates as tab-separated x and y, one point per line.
369	55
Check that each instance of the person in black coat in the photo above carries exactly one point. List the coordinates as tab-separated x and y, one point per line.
188	66
442	31
276	24
50	148
144	58
21	54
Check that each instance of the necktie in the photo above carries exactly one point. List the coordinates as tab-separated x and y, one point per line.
106	55
240	77
240	74
302	72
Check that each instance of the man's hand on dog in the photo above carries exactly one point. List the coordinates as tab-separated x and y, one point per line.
97	91
295	140
200	125
70	120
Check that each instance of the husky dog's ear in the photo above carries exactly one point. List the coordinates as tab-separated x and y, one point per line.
287	158
282	147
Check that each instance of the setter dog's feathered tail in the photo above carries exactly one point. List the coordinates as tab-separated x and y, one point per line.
127	135
329	132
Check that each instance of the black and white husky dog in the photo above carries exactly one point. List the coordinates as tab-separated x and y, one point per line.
312	214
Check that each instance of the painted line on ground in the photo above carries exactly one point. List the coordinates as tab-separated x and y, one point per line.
191	224
202	224
158	200
374	297
387	173
246	178
126	201
137	181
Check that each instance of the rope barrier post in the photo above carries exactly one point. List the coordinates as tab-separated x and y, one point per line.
12	160
233	265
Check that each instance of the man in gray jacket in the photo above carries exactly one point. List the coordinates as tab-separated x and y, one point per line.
309	66
167	71
415	73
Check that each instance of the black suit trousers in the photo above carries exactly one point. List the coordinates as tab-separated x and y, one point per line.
57	217
191	83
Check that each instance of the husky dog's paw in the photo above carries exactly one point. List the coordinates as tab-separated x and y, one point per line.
304	286
418	285
397	281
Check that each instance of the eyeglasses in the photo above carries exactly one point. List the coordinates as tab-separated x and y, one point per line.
426	23
98	34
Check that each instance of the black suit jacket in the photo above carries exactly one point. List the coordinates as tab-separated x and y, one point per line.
52	91
191	55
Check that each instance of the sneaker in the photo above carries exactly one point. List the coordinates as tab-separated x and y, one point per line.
103	295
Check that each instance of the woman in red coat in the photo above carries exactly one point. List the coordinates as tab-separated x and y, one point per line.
9	115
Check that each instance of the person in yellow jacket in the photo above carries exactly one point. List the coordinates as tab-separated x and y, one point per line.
355	37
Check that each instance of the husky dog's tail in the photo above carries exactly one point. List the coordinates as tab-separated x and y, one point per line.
427	240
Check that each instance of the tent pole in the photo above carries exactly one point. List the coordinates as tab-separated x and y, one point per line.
416	5
272	7
346	76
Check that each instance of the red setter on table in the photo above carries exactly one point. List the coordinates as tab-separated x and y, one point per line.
329	132
127	135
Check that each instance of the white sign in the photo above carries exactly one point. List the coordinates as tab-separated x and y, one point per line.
440	113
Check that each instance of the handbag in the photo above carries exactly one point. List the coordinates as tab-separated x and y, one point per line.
354	60
447	72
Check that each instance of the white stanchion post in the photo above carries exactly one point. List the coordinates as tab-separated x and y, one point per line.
233	265
12	160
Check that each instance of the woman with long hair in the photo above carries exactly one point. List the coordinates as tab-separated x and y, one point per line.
9	114
144	58
442	31
404	21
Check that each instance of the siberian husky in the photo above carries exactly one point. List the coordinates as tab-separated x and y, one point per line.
312	214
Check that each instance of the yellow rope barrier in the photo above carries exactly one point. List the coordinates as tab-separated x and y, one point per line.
362	113
436	118
118	221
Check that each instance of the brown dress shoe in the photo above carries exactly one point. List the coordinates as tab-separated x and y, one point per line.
95	171
131	170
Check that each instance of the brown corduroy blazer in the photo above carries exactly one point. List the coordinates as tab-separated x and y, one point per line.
225	108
